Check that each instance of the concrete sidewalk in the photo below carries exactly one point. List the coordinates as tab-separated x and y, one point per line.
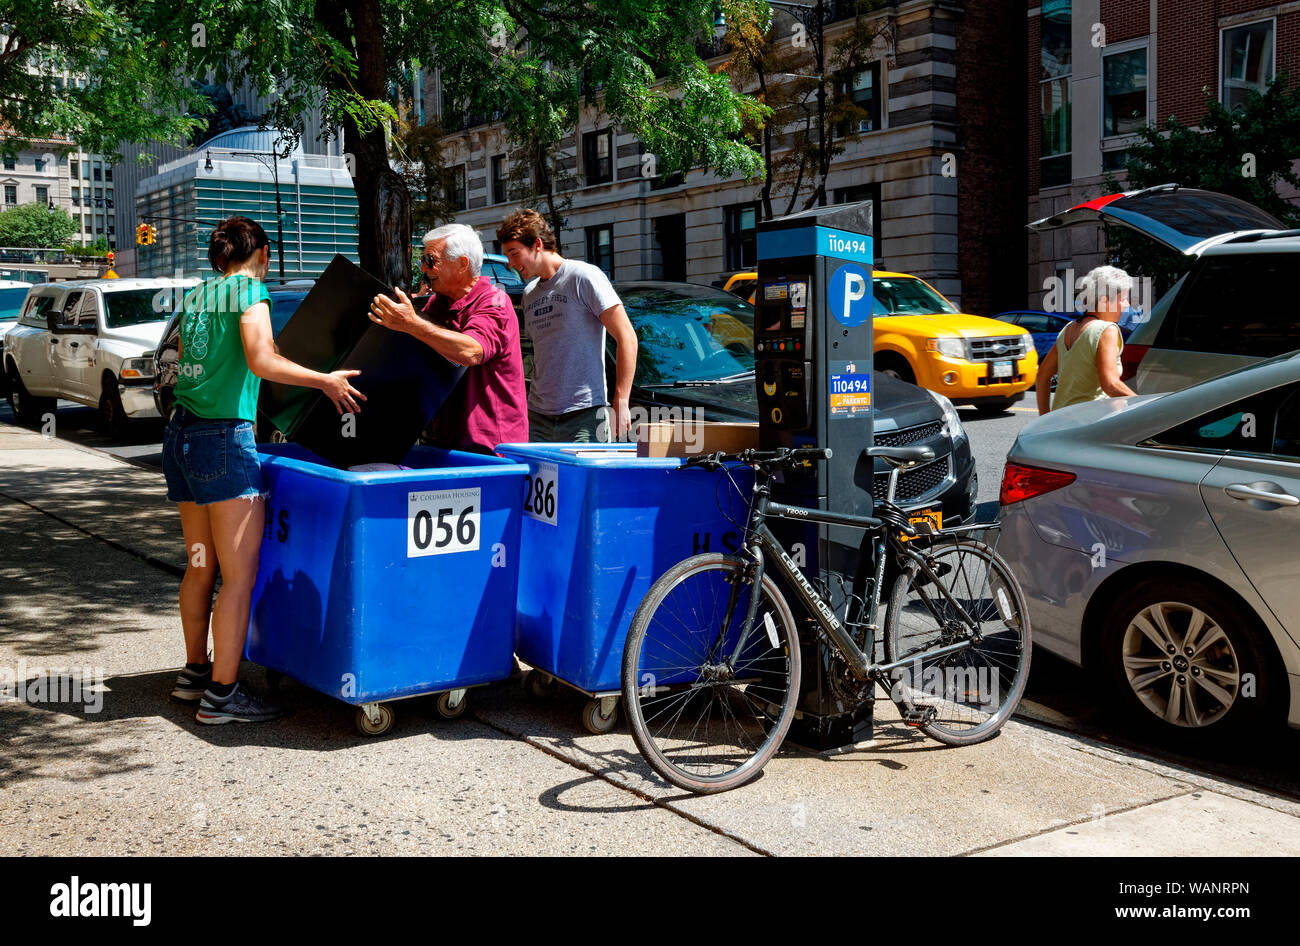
88	567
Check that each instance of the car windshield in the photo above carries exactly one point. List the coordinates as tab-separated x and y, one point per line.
908	297
11	303
689	334
140	306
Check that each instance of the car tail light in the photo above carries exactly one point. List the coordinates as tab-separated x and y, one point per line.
1021	482
1130	358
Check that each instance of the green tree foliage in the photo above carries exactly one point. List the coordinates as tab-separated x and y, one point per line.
777	58
35	225
1245	152
637	57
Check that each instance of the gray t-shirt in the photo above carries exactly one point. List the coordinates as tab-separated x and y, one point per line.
562	317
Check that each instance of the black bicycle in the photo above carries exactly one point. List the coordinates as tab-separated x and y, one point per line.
711	669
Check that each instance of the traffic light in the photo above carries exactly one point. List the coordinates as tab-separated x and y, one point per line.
153	234
142	234
111	257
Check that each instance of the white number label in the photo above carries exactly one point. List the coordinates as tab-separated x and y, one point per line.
442	522
542	494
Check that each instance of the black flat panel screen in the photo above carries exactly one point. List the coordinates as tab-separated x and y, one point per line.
405	381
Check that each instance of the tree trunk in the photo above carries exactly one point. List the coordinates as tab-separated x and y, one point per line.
383	201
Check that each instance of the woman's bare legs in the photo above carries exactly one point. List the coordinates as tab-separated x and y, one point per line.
200	577
237	533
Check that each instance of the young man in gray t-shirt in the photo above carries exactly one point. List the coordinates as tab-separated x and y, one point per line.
568	306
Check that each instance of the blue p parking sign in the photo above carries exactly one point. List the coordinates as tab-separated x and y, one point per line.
849	295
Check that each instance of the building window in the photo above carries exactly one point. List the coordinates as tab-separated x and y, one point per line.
597	156
11	194
600	248
42	195
1114	161
74	167
499	179
39	165
859	192
456	187
1124	95
9	163
76	197
863	94
1247	61
108	174
741	239
99	173
1054	91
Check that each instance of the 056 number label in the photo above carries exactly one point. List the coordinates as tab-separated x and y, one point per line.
442	522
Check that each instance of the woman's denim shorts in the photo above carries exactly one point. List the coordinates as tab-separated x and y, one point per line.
210	461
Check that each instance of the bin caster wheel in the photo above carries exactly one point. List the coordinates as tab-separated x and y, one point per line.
446	710
539	686
596	722
273	680
382	722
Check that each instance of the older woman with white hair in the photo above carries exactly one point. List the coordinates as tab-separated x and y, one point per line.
1085	358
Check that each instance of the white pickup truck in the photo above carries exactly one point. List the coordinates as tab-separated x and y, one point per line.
89	341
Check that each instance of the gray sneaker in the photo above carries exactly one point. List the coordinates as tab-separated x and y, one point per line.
240	707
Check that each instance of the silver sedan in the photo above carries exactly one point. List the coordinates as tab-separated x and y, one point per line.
1157	539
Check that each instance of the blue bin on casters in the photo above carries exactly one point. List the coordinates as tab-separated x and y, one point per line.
377	586
600	526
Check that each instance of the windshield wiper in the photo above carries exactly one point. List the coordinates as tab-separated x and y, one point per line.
703	382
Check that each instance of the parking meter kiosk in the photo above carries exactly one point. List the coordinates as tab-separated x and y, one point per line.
813	347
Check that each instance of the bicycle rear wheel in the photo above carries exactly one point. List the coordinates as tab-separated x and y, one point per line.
967	695
703	725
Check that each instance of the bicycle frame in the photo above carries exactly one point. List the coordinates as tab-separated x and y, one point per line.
761	543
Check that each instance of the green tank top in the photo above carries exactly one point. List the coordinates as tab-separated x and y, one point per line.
213	379
1076	367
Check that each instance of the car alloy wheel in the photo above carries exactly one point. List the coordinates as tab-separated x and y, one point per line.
1180	664
1185	656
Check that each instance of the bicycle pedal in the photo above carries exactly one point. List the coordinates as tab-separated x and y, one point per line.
919	717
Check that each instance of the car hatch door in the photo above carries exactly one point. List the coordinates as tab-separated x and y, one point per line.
1254	502
1184	219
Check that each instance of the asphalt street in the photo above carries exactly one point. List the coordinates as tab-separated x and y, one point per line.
1059	694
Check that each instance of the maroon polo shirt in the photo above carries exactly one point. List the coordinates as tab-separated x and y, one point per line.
489	406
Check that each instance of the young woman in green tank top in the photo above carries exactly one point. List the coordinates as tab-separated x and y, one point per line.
1085	358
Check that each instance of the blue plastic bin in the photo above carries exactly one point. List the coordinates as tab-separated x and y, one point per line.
382	585
600	526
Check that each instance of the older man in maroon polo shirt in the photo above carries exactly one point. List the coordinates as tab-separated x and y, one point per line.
474	324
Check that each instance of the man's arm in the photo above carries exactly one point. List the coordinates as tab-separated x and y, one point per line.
619	326
400	316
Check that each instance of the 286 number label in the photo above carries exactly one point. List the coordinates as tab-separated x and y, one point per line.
542	493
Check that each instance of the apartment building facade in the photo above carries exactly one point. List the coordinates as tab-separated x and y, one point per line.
1099	70
933	173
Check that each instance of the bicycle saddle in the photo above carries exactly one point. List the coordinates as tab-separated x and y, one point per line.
901	455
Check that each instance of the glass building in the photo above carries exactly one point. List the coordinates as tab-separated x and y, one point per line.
236	173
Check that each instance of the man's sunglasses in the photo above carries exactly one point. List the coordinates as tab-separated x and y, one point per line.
427	260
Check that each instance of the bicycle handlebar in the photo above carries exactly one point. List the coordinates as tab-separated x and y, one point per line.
783	456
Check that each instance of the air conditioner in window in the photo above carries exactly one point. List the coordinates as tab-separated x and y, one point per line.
864	125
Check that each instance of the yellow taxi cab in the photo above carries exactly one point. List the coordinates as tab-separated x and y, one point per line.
921	337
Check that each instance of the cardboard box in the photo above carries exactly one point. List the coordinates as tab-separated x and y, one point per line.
683	439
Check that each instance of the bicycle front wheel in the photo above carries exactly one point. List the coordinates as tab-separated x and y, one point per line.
706	709
966	695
